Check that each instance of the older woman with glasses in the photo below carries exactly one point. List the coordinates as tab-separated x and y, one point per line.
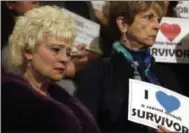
40	47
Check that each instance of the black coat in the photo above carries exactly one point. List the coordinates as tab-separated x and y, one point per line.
103	88
24	110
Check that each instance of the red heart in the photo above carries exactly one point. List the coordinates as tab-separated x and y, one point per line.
170	31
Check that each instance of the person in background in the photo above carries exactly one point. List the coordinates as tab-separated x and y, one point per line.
105	35
180	70
40	48
104	84
171	12
10	11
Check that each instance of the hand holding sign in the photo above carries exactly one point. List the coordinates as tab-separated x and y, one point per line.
79	60
162	130
87	32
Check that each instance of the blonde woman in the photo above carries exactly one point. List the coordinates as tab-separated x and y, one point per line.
40	46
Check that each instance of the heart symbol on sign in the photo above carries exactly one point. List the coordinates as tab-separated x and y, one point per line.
170	31
170	103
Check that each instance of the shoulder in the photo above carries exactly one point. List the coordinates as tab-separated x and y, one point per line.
12	84
17	93
23	105
80	111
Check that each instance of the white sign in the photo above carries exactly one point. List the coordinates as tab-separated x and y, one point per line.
98	5
153	105
87	32
171	43
182	9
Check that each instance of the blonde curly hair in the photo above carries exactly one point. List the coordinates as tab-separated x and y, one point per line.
31	28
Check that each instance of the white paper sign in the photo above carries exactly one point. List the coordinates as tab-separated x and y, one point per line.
87	32
152	105
172	41
98	5
182	9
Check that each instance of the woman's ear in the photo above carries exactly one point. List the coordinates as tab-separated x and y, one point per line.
28	54
122	26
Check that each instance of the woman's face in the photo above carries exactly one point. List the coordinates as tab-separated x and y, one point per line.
51	58
144	29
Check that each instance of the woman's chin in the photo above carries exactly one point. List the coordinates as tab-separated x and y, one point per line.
149	44
58	77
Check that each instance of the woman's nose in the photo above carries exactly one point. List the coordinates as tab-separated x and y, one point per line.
64	57
156	24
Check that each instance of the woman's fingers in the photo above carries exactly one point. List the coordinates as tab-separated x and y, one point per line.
80	47
81	51
159	130
162	129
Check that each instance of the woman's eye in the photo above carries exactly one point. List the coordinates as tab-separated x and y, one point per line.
68	53
159	20
56	50
149	16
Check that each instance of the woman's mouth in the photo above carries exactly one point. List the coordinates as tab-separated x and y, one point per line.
61	70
